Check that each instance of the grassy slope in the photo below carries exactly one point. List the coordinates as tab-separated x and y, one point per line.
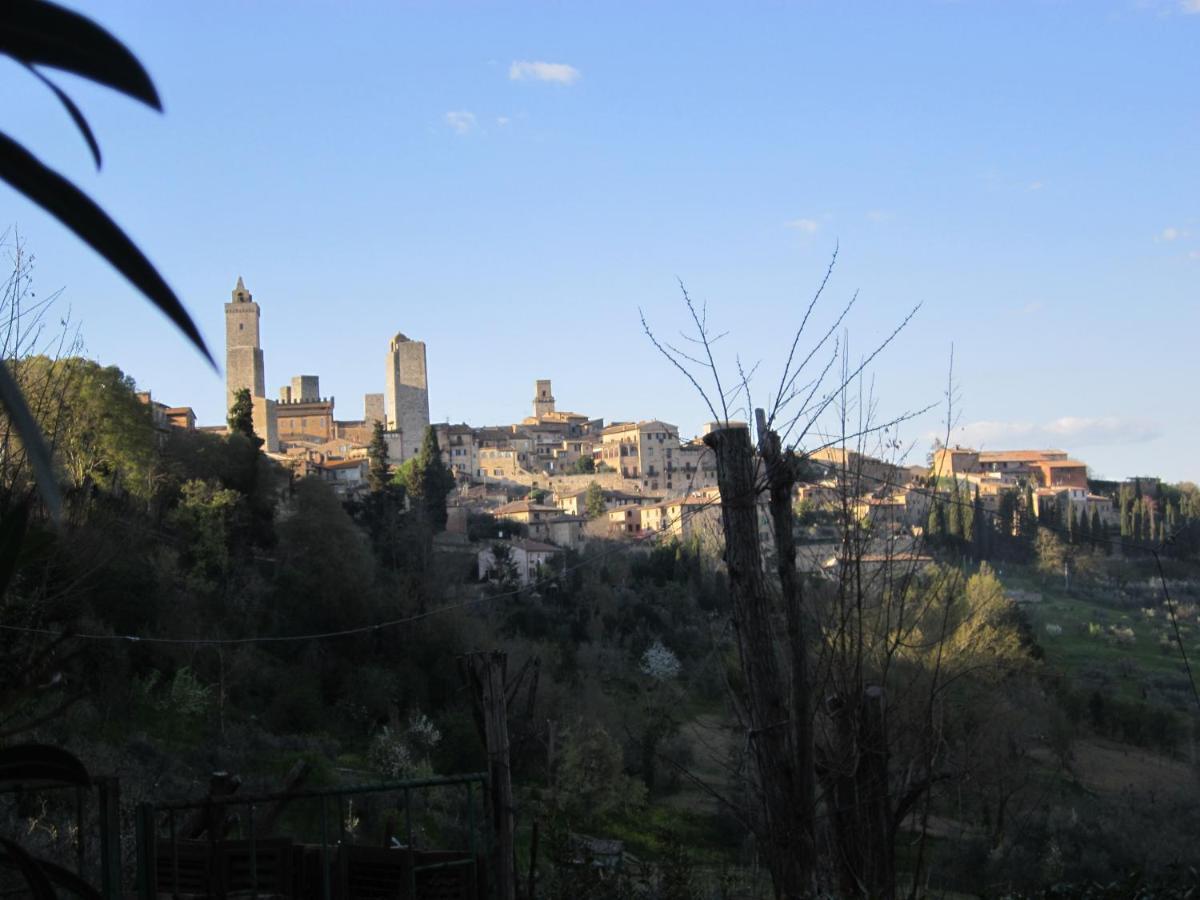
1130	663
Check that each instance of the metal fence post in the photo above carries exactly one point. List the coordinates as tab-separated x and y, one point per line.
109	799
147	852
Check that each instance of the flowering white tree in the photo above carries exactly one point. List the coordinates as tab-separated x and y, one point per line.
402	752
659	662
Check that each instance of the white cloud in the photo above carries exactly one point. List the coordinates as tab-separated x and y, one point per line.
559	73
879	215
1190	7
502	120
461	121
1066	433
1169	234
1036	185
1194	254
808	226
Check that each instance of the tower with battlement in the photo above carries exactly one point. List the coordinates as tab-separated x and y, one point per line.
406	393
243	351
543	398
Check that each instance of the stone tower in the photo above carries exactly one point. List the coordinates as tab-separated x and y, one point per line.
543	399
243	352
406	393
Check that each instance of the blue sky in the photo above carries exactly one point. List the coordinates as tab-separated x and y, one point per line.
511	182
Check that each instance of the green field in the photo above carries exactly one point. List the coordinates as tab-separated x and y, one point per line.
1131	651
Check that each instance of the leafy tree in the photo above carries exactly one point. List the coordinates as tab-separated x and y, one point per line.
593	500
205	515
585	465
378	468
1051	552
102	436
38	33
429	482
504	568
592	783
241	416
324	563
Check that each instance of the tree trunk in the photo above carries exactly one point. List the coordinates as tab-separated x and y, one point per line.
781	482
856	786
782	834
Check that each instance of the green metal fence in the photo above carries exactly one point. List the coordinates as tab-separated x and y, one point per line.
96	812
321	858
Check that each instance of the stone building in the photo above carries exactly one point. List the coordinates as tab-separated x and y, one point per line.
406	392
302	414
460	452
640	450
243	349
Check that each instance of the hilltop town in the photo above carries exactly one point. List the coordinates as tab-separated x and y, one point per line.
561	478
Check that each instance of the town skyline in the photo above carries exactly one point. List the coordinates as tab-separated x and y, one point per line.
527	190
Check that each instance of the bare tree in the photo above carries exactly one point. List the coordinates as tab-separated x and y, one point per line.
778	705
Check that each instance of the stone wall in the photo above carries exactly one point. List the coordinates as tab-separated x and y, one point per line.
266	423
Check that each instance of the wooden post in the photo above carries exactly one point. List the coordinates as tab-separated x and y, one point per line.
211	819
485	672
293	781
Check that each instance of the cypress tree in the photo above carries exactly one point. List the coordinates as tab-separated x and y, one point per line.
1126	511
241	416
1097	527
1085	528
378	469
979	530
954	517
935	528
429	481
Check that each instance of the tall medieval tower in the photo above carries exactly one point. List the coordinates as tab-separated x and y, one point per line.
543	398
406	393
243	352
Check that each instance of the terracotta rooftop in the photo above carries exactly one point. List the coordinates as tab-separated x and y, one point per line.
629	426
1017	455
524	506
342	463
530	546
